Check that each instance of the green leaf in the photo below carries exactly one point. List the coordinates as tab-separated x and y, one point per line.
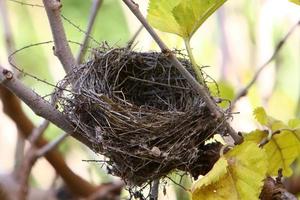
160	15
190	14
239	174
182	17
295	1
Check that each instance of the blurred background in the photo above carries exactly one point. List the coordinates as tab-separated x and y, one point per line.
233	44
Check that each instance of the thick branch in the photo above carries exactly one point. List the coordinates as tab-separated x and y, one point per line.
94	10
200	89
62	49
12	108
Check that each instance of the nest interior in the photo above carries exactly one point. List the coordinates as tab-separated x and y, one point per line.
139	111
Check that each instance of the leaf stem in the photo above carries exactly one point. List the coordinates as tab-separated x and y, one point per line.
192	59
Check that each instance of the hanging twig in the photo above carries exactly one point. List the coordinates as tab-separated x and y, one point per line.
243	92
200	89
94	11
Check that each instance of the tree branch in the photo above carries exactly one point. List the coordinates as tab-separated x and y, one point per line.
62	49
200	89
94	11
243	92
12	108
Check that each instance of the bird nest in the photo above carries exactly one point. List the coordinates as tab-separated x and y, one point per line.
141	113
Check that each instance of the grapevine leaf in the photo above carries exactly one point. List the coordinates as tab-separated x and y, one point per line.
239	174
295	1
182	17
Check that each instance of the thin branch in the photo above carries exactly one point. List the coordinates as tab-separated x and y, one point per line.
200	89
37	132
243	92
32	155
52	145
9	42
28	162
19	152
94	11
30	159
135	35
62	49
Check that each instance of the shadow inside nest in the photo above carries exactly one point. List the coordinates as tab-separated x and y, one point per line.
139	111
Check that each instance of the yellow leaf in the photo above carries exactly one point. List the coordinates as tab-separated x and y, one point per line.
294	123
261	115
256	136
295	1
182	17
238	175
282	149
265	120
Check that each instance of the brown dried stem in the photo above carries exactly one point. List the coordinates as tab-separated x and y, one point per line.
243	92
201	90
62	49
94	11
